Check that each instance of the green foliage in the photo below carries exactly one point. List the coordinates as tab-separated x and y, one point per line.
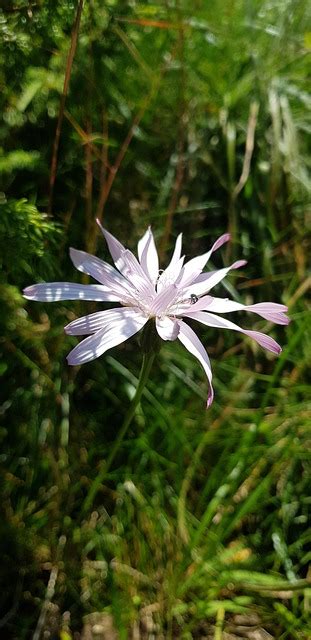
16	160
24	233
202	521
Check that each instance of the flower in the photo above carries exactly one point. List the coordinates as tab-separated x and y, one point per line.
145	292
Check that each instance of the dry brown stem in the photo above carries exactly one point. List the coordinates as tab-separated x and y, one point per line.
71	54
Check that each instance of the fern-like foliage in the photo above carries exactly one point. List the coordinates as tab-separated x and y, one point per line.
26	235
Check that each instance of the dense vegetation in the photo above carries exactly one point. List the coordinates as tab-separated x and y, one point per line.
190	116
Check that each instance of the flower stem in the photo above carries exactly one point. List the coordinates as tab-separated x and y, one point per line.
148	359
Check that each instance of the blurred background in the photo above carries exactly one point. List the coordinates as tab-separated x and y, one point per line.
191	116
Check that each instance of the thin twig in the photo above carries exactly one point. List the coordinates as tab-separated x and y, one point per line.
145	22
86	139
133	50
116	166
105	150
113	170
88	179
180	168
249	148
71	54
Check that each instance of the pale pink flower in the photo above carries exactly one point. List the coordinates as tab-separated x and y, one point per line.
144	292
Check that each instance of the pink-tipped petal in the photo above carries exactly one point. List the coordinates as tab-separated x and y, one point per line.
222	240
277	318
270	306
204	282
266	342
167	328
212	320
55	291
194	267
269	310
192	343
100	320
104	339
238	264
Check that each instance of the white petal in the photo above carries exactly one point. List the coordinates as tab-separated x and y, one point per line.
194	267
95	345
162	301
93	266
211	320
167	328
99	320
128	265
142	243
137	276
204	282
118	252
170	274
115	247
149	259
177	251
54	291
185	306
220	305
104	273
191	341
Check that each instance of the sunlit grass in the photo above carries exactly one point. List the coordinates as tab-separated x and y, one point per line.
200	528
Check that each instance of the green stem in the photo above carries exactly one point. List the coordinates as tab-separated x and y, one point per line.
148	359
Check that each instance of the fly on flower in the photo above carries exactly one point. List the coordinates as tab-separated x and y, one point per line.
168	297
